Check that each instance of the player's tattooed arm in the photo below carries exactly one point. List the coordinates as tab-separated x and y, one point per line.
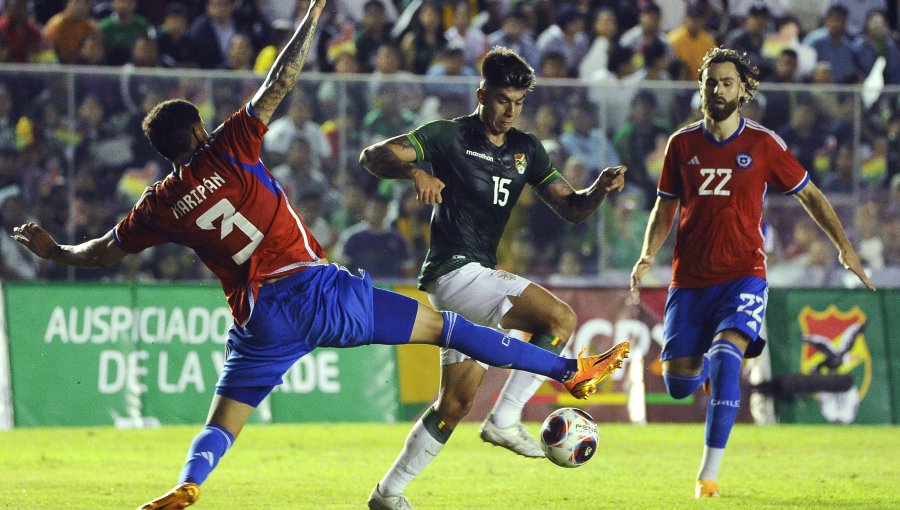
287	66
576	205
390	159
394	159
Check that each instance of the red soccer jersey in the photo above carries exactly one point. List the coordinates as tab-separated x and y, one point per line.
225	205
722	186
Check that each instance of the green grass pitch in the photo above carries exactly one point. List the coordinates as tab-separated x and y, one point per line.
334	466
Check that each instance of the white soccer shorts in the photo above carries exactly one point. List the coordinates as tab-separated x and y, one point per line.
479	294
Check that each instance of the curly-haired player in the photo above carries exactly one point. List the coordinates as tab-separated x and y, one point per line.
716	173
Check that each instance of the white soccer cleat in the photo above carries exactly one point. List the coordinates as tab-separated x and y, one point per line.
378	501
514	438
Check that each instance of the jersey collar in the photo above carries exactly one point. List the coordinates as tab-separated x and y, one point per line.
724	142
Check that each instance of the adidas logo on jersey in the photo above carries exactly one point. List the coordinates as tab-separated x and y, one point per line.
694	161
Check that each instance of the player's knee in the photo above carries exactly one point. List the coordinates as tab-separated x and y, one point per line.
679	387
563	320
454	408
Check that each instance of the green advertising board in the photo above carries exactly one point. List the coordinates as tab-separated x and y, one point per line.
139	355
833	332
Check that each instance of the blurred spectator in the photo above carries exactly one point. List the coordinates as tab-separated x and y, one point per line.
637	141
298	123
355	11
877	41
23	34
803	136
841	177
492	16
66	29
585	140
567	36
121	29
645	33
462	34
414	224
569	270
425	39
787	37
514	35
145	52
546	123
388	116
353	196
211	33
691	41
803	235
92	51
298	176
175	47
373	32
374	245
611	95
834	46
388	72
751	35
8	121
451	63
892	138
240	55
781	101
16	262
657	62
606	29
858	12
625	223
890	236
309	205
867	233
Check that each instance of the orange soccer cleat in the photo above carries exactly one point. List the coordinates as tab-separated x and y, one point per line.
593	369
707	489
182	496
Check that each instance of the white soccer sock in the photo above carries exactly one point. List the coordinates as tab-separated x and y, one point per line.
419	450
712	459
518	390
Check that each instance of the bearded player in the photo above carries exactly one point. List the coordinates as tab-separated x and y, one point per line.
716	173
221	201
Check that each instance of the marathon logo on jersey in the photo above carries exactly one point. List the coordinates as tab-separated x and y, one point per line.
520	161
197	195
743	160
479	155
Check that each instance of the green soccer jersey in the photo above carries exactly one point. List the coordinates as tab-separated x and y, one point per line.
483	182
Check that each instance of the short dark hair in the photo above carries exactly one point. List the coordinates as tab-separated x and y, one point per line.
503	68
748	72
168	127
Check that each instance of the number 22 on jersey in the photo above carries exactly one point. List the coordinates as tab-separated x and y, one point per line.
716	179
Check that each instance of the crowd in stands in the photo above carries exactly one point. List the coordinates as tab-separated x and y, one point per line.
615	79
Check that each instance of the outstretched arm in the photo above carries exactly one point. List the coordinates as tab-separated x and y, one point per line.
99	252
819	208
287	65
658	226
393	159
576	205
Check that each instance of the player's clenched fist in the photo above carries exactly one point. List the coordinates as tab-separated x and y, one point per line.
428	187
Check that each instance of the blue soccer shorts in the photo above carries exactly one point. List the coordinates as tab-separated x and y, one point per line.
321	306
694	316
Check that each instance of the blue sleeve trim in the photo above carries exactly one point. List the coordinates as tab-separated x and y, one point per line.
250	110
668	196
797	188
115	233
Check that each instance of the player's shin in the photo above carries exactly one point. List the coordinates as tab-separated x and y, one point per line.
425	441
207	448
724	402
521	386
492	347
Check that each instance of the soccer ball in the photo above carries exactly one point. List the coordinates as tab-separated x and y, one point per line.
569	437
